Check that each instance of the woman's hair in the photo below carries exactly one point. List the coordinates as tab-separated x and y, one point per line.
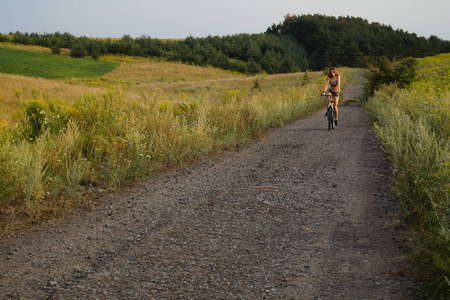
335	72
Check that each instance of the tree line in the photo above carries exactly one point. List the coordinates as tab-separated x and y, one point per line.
299	43
352	41
246	53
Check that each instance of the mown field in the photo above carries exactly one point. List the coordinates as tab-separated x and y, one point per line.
64	140
21	62
413	125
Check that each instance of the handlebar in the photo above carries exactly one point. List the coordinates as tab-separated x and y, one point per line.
323	93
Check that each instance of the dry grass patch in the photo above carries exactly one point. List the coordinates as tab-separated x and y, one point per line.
32	48
151	70
15	89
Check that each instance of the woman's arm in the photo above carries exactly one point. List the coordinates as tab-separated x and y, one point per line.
326	86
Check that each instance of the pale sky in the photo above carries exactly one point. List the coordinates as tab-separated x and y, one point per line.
167	19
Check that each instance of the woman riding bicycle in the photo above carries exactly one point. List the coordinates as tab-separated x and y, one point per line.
334	81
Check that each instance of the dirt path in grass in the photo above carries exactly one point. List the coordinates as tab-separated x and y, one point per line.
271	221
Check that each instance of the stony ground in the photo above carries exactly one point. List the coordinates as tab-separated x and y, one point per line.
303	214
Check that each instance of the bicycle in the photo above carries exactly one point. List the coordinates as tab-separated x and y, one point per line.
330	109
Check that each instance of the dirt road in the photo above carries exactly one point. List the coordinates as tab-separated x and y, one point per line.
275	220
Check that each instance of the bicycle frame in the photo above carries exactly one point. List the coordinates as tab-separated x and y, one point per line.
330	110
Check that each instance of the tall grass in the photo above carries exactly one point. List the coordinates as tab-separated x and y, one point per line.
58	143
414	127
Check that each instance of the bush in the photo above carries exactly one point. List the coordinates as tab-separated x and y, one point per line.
95	54
4	38
401	72
95	51
35	118
78	51
56	50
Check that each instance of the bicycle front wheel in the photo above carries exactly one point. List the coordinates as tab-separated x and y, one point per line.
330	118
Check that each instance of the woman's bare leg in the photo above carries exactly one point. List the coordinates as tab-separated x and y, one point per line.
328	100
336	100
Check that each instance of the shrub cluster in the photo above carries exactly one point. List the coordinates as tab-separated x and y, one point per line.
386	72
246	53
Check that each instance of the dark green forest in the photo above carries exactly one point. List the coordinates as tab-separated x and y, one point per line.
299	43
353	42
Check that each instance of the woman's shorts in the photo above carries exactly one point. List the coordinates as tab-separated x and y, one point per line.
335	94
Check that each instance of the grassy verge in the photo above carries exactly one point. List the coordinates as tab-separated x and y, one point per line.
62	140
414	127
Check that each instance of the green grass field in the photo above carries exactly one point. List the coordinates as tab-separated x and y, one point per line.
33	64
